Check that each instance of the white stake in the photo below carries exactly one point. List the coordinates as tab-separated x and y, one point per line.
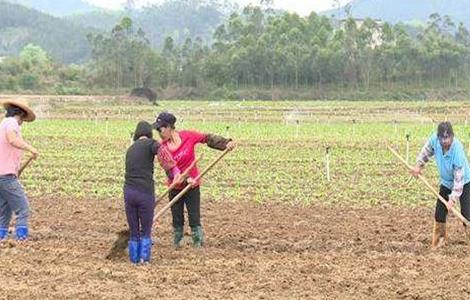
297	129
407	147
327	162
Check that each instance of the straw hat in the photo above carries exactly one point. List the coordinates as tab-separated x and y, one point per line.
30	115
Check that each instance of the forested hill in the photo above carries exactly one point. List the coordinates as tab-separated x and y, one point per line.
65	38
179	19
407	11
57	7
20	26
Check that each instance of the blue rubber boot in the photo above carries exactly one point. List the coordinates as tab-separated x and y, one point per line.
3	233
22	233
134	251
145	249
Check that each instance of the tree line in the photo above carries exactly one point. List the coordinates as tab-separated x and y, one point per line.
261	49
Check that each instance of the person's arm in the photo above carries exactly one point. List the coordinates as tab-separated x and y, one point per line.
458	164
166	161
426	153
457	189
219	142
212	140
16	141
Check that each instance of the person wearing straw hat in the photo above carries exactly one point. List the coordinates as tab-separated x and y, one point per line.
180	145
454	172
12	145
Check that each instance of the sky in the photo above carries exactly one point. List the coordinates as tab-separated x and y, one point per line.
302	7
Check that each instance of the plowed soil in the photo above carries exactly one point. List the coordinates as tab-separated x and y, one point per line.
252	251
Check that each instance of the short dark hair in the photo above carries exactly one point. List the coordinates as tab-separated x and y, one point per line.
143	129
13	110
444	129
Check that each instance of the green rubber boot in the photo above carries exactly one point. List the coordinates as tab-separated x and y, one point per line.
178	234
198	236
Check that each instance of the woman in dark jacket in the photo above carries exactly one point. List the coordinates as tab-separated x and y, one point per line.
139	190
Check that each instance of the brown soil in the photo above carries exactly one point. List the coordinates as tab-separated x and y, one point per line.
252	251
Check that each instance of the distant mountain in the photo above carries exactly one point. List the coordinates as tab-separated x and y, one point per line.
103	20
20	26
179	19
57	7
407	11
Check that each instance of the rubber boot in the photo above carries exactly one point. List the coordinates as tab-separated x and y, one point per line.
439	235
3	233
178	235
198	236
22	233
145	249
134	251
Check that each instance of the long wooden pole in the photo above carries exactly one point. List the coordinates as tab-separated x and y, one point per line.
188	187
20	171
430	187
184	176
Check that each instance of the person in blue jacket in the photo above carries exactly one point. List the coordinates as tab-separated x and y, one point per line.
454	173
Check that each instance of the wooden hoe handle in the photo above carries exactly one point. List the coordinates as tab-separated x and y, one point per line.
430	187
188	187
20	171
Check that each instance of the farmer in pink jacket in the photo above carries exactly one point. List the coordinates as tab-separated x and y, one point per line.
12	145
180	145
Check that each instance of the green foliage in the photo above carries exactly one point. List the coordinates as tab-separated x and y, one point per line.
20	26
29	81
35	56
266	53
281	148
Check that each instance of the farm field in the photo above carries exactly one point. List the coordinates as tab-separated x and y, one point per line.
277	224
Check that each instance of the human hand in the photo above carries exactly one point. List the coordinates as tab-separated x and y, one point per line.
231	145
416	170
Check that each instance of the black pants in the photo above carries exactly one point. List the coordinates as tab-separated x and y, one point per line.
192	199
441	209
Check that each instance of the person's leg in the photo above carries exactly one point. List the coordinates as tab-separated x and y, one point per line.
5	218
465	201
193	204
5	214
465	207
440	214
439	237
146	212
130	196
13	194
177	212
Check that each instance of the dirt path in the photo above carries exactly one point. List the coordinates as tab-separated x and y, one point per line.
267	251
